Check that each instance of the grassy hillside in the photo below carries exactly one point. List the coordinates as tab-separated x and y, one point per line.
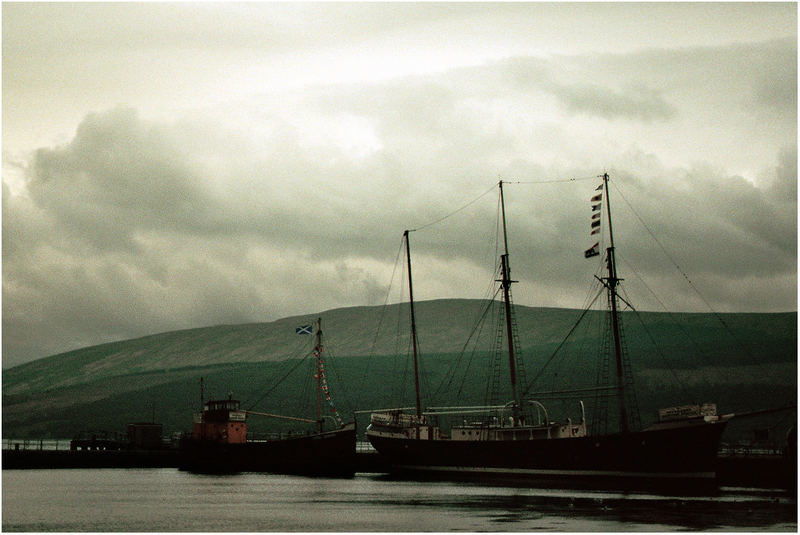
740	361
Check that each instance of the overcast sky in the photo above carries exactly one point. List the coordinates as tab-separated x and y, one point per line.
168	166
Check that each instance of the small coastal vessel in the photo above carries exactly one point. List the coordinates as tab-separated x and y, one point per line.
220	443
519	439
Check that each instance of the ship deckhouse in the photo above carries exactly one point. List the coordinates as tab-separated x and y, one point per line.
221	421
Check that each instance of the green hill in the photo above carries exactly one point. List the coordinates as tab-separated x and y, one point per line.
742	362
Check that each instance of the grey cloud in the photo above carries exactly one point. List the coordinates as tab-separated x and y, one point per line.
120	237
635	103
713	224
783	186
602	98
275	247
651	85
778	93
137	226
118	175
775	81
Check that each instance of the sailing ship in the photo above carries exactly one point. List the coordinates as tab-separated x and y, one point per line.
220	443
524	442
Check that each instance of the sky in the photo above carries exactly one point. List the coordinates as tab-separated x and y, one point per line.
170	166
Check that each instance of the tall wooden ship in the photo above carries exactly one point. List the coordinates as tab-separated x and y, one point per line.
219	441
525	442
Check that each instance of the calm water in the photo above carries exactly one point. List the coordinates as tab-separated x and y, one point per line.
158	500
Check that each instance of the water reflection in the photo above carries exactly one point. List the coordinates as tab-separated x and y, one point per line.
158	500
748	509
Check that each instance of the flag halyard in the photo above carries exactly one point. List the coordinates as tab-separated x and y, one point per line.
595	221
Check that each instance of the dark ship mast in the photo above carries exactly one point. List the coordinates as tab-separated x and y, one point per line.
505	282
319	375
611	282
682	445
414	341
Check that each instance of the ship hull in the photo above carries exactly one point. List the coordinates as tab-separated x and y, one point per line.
330	453
677	453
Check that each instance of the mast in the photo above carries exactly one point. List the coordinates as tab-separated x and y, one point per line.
413	327
505	282
318	352
611	283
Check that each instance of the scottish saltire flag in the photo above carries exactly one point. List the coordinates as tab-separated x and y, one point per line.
304	329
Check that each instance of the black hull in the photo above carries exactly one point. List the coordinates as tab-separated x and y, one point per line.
682	453
331	453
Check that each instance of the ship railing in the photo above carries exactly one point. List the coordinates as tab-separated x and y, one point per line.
393	417
577	393
363	446
265	437
750	450
483	409
394	409
36	444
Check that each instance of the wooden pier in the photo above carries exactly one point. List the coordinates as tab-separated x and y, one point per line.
757	471
94	456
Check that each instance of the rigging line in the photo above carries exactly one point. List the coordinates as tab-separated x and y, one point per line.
296	352
398	388
674	263
553	181
560	345
716	314
304	396
595	284
476	199
451	376
681	384
407	365
663	306
400	360
489	297
380	322
473	354
268	392
330	364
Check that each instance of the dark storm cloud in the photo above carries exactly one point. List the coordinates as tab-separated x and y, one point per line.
297	204
119	235
119	175
723	225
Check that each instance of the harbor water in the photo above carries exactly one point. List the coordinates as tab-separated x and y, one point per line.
169	500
